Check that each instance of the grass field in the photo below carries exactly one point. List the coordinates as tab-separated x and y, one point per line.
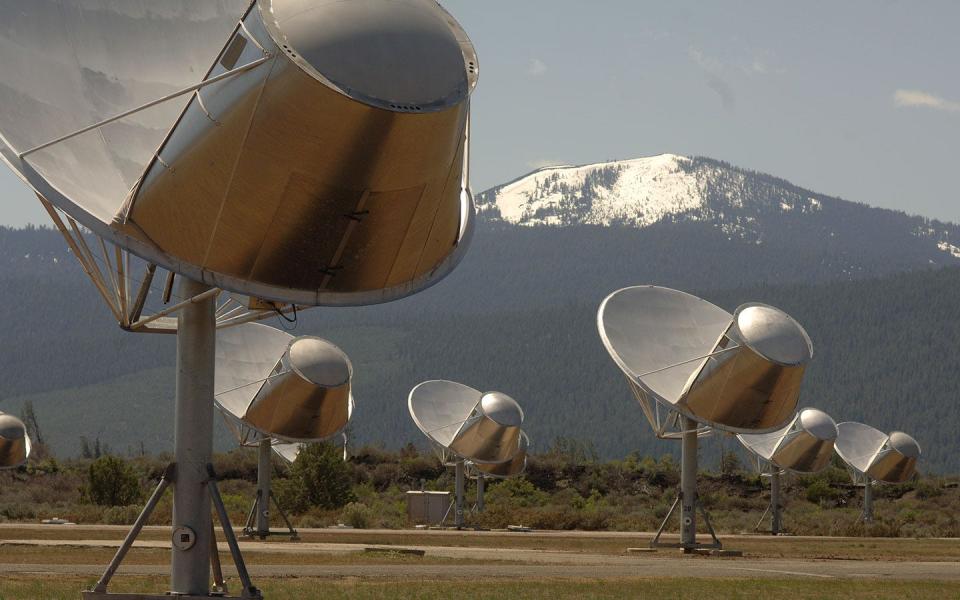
47	588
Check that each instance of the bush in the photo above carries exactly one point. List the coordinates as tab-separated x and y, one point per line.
819	490
318	478
357	515
928	489
516	492
112	482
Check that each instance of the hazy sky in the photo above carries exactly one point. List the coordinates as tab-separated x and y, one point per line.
855	99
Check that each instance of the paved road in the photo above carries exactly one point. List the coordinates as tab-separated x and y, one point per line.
529	563
641	567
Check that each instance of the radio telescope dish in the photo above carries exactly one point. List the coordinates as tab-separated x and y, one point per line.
738	373
14	442
292	389
296	153
871	456
694	367
276	392
805	445
309	153
467	425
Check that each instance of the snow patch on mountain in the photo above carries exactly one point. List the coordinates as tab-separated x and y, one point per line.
645	191
640	192
949	249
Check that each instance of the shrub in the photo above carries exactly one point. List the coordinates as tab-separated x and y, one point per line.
819	490
112	482
928	489
517	492
357	515
319	477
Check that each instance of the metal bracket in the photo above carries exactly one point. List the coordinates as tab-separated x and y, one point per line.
99	592
656	543
250	528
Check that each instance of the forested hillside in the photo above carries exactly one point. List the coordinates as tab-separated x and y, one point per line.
877	290
885	353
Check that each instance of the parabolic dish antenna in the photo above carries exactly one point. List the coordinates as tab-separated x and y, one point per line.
291	389
804	445
871	455
14	442
277	391
466	425
299	153
313	153
694	366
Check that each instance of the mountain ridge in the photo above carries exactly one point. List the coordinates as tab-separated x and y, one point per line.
700	188
518	315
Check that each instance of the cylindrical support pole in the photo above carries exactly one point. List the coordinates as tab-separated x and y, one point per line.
481	484
263	486
868	502
776	513
458	515
688	486
193	442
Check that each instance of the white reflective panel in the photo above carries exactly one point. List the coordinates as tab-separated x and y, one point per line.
649	329
288	451
246	356
440	408
858	444
764	444
69	64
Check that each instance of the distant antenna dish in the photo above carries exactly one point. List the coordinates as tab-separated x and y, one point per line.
693	366
511	468
14	442
467	425
292	389
277	392
298	153
872	455
804	445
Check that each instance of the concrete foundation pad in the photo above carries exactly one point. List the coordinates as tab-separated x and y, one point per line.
717	552
389	550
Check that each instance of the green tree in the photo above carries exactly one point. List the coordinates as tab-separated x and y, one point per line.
319	477
112	482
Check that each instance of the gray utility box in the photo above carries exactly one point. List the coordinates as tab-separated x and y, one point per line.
427	507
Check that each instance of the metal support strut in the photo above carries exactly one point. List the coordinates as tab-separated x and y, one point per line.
688	499
481	488
258	519
775	508
193	478
219	588
867	515
458	513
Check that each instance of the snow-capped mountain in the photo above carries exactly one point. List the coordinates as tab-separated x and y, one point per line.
673	189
